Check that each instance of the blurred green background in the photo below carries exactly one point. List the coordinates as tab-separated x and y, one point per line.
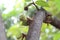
13	9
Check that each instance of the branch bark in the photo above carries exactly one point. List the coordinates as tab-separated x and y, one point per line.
2	29
35	26
55	22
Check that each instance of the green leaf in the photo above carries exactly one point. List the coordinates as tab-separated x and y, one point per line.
42	3
14	30
27	0
57	36
57	2
44	26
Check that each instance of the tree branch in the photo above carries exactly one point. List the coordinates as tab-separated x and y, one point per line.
55	22
35	26
26	8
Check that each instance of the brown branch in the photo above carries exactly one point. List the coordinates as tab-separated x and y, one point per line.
26	8
35	26
55	22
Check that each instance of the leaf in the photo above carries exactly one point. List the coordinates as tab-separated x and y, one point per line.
57	2
42	3
57	36
43	27
14	30
27	0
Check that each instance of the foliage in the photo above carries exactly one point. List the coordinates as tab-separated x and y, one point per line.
42	3
15	27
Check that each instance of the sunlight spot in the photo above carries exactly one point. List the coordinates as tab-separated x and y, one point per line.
34	0
17	9
40	38
47	30
1	2
53	30
14	37
7	11
18	25
14	19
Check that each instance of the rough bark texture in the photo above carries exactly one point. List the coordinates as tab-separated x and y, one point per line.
2	29
55	22
35	26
